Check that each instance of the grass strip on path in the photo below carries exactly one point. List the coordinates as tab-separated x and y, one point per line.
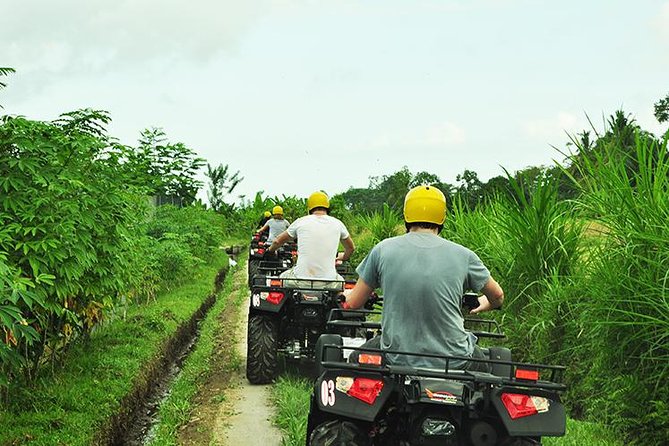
175	411
73	405
291	396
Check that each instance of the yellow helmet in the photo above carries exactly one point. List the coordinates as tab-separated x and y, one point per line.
268	214
277	210
318	199
425	204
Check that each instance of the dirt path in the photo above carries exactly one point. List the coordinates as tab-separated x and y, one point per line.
230	411
246	418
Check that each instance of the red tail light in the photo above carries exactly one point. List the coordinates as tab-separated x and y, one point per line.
261	251
275	297
519	405
294	253
366	389
529	375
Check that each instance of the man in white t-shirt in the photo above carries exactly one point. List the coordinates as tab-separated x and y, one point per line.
318	236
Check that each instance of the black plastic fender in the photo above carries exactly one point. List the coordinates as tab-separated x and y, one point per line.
331	397
548	424
260	303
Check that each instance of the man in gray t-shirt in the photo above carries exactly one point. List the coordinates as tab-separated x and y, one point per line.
423	278
276	225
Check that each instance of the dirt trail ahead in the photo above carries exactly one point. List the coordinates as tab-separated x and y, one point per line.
244	418
229	411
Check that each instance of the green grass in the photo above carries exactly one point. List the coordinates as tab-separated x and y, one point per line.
175	411
581	433
70	406
291	395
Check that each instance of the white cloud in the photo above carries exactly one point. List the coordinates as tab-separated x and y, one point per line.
549	128
446	134
442	135
81	34
661	23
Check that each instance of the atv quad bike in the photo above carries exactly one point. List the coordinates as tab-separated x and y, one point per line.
373	402
286	317
258	253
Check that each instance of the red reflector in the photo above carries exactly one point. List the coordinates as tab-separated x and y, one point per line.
275	282
529	375
366	389
518	405
261	251
366	358
274	297
349	285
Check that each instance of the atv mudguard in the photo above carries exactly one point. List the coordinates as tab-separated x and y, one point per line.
332	398
258	304
547	424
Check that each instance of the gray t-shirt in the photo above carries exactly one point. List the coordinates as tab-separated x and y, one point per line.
423	277
276	227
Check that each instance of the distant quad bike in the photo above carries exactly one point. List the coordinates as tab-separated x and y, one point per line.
258	253
371	402
286	317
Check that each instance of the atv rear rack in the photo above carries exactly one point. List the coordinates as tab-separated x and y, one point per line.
304	284
554	382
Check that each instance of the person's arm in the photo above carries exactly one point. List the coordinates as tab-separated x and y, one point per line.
264	228
279	241
357	297
349	247
493	297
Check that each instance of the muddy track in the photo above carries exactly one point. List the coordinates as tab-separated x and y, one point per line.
229	410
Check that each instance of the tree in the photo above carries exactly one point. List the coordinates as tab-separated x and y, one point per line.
162	167
470	187
221	183
4	71
662	110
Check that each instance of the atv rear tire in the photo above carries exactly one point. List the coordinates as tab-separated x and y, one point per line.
261	353
338	433
253	270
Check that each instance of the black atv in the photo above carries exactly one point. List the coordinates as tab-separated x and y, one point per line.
372	402
286	317
284	256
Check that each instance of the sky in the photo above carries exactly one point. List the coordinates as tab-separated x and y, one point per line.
302	95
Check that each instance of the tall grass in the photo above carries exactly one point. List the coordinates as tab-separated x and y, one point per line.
370	229
626	314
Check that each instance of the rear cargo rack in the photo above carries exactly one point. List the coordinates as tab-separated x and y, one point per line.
554	382
296	283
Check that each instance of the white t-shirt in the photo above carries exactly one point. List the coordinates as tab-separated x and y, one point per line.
318	238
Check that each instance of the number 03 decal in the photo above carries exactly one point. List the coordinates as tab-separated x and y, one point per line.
328	393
